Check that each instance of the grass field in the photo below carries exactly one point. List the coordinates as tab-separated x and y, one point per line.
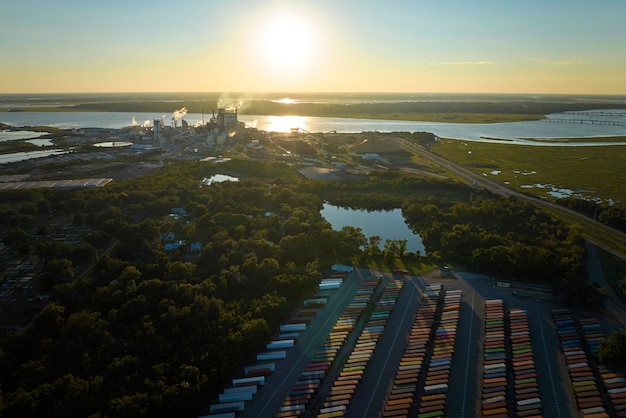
547	172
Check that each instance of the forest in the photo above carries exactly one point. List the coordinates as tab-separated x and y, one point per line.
611	214
133	329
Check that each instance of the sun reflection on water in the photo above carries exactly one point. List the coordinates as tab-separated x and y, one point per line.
284	100
286	123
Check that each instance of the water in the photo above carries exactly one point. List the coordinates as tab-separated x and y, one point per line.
23	156
41	142
512	133
13	135
387	224
117	144
218	178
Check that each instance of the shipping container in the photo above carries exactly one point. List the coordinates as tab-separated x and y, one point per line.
227	407
292	327
248	381
271	355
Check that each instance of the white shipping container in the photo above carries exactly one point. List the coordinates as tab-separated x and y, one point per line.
247	381
279	344
227	407
224	415
235	397
271	355
292	327
242	389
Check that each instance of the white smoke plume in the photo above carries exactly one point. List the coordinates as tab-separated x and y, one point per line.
146	123
231	103
178	114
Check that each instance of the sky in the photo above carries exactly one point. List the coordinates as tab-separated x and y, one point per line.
451	46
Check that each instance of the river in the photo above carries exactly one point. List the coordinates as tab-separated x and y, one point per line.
512	132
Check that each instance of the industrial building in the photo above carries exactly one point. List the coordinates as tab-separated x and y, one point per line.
219	130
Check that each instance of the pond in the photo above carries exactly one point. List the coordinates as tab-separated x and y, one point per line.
218	178
387	224
115	144
42	142
15	135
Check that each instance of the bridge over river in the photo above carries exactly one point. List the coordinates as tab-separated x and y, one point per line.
592	113
586	121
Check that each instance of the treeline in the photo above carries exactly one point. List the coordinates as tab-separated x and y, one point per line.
508	237
155	333
386	190
503	236
611	214
367	110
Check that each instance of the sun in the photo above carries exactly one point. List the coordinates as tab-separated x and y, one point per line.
288	43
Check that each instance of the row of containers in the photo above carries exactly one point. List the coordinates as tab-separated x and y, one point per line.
337	402
306	387
525	385
510	386
494	391
420	384
232	400
599	391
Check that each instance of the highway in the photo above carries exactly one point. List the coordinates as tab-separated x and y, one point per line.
613	306
617	238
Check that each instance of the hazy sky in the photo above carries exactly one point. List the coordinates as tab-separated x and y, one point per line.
508	46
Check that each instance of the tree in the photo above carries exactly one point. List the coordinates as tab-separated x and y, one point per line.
57	271
351	241
373	245
50	320
82	253
393	249
15	236
613	349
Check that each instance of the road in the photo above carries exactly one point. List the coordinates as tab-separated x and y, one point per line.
278	385
618	237
613	307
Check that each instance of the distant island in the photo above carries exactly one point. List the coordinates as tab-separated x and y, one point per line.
458	108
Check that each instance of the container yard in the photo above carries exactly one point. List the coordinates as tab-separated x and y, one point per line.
324	359
579	340
384	346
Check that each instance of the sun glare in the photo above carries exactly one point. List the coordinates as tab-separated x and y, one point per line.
285	100
286	123
288	42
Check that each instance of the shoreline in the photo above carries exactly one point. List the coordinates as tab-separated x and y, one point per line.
443	108
443	117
